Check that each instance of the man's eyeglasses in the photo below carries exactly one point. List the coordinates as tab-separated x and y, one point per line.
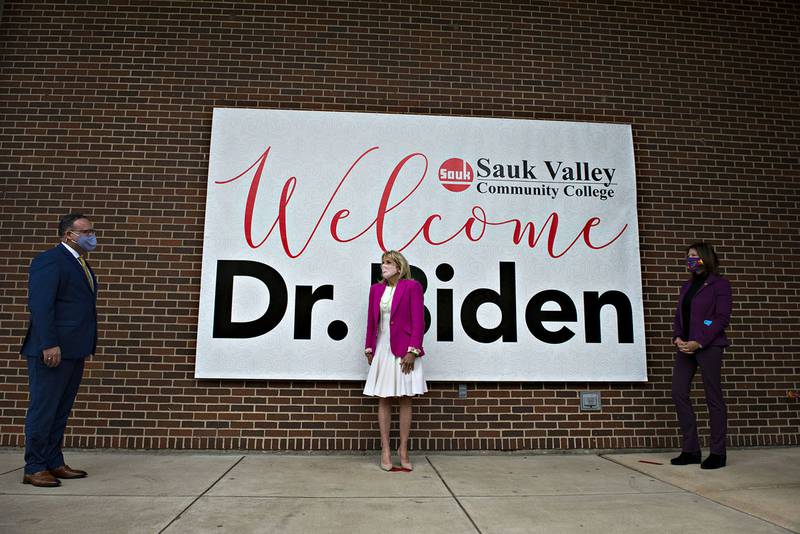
90	231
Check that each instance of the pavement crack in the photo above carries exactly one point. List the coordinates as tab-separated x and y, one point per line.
699	495
11	471
452	494
202	494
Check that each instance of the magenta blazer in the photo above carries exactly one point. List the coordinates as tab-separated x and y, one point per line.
407	317
711	312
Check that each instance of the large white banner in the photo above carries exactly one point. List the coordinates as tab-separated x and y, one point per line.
523	234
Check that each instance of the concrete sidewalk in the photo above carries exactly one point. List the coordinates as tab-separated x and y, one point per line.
172	492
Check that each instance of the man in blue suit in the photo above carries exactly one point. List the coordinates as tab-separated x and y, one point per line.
62	297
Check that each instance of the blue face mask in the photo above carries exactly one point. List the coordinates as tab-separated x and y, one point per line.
86	242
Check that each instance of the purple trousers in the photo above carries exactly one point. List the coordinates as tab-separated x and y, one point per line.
710	361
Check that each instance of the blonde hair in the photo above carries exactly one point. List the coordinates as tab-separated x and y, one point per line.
400	261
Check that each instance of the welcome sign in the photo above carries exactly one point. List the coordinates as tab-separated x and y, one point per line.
523	234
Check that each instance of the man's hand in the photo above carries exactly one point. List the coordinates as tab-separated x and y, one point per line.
52	356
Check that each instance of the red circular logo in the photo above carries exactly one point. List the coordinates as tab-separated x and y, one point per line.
456	175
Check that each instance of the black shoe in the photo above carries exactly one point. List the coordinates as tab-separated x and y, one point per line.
714	461
687	458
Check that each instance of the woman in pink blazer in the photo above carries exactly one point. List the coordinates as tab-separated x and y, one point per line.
393	348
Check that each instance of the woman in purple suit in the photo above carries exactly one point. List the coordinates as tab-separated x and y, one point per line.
393	348
702	314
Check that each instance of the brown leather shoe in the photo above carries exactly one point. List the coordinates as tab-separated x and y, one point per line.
66	471
43	479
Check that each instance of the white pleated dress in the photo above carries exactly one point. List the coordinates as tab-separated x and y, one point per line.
386	377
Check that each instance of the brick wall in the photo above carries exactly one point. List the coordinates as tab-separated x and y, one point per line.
106	107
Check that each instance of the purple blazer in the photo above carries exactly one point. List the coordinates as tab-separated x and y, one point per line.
407	317
711	313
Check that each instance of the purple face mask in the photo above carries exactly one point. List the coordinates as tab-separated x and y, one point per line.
693	264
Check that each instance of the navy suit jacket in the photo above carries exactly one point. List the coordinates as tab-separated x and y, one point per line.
63	306
711	313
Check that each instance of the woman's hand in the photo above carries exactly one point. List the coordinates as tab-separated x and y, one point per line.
369	355
407	363
688	347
